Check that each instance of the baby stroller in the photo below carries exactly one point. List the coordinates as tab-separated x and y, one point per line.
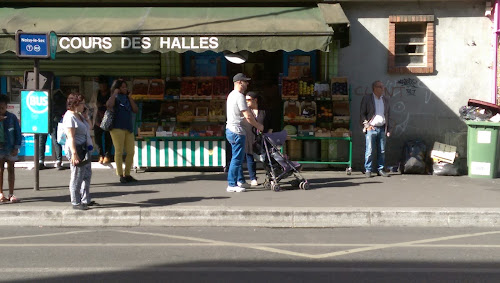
277	165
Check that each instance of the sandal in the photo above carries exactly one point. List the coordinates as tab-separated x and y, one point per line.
13	199
3	199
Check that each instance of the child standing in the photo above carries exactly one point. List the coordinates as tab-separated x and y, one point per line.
10	142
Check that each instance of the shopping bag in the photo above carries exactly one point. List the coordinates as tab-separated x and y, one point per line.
61	134
107	120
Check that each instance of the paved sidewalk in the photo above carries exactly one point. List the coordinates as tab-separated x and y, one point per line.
173	198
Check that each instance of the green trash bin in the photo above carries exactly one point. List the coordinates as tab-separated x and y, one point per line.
482	143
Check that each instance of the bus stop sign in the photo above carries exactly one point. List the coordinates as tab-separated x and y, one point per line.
35	111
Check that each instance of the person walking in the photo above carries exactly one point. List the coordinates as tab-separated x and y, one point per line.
10	142
105	144
252	99
374	118
236	111
56	115
78	150
122	133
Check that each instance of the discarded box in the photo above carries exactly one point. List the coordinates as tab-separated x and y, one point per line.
443	152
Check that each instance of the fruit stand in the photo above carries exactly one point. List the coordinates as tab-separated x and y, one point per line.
181	124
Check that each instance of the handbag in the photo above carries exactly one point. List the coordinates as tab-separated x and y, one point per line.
107	120
81	151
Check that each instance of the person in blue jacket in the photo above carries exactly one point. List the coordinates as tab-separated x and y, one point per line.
10	142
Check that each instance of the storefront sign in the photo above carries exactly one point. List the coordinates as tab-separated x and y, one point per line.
35	111
32	45
138	43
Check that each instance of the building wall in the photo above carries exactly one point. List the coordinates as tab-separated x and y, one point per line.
422	106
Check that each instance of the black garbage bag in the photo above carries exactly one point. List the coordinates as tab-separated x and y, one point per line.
414	156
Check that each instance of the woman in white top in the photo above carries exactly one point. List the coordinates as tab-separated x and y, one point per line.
78	150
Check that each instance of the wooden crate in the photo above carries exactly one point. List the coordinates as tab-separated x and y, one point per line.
443	152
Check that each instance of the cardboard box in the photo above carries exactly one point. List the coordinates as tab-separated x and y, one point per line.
443	153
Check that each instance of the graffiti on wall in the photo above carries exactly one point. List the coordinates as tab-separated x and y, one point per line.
399	90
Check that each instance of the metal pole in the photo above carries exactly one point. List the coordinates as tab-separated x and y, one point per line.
37	137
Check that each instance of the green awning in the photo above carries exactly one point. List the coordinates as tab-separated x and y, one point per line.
177	29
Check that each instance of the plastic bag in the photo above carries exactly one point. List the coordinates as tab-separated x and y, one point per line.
444	169
475	113
61	134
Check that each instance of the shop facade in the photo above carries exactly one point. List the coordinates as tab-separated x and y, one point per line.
170	49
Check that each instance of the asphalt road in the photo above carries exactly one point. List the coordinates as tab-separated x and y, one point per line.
216	254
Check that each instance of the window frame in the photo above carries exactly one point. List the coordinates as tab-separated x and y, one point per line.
428	66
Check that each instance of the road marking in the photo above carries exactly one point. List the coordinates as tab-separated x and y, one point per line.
45	235
403	244
291	269
370	247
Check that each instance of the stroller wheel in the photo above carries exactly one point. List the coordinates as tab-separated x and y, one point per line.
275	187
304	185
267	185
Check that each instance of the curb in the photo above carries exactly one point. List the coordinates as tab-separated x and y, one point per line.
279	217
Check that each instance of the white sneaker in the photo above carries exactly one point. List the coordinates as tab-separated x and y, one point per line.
254	183
235	189
243	185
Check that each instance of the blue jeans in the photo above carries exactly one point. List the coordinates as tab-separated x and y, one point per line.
235	172
375	139
251	166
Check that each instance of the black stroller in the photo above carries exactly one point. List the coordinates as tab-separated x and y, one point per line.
277	165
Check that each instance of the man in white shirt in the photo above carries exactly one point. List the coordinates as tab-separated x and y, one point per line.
236	111
374	117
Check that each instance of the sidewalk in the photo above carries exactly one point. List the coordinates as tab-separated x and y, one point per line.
172	198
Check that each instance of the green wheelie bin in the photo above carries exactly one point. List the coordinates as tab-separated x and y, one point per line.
482	144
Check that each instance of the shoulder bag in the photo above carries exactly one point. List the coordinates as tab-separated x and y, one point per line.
107	120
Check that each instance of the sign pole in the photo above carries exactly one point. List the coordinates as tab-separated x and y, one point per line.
37	136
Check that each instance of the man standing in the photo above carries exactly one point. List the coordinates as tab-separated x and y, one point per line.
236	111
374	116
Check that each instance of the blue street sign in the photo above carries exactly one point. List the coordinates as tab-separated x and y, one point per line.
32	45
35	111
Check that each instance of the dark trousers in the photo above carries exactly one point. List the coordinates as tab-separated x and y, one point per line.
57	147
104	145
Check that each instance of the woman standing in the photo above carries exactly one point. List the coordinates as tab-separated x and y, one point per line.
78	148
122	133
105	145
252	99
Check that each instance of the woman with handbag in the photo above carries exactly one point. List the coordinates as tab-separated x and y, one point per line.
78	149
122	132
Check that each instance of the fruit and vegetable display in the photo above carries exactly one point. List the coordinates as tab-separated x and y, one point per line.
168	111
173	87
325	112
156	88
291	110
140	86
185	112
217	111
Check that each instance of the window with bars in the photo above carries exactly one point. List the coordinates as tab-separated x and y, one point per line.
411	44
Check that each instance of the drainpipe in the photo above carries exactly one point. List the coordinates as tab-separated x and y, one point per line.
496	19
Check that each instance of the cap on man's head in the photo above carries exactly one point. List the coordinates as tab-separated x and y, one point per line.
240	77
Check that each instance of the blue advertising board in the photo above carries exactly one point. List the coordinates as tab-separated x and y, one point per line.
32	45
35	111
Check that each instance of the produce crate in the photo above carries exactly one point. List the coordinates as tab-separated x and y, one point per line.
221	87
204	88
338	86
289	88
188	87
185	112
156	89
147	129
140	87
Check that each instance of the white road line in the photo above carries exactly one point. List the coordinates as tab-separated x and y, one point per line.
291	269
44	235
405	244
370	247
244	245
